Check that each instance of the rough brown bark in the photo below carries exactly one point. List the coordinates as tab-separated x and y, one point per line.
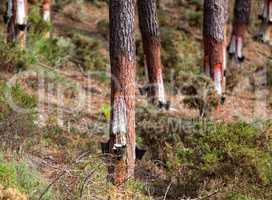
16	27
241	20
123	67
46	13
46	10
11	17
149	27
215	16
265	33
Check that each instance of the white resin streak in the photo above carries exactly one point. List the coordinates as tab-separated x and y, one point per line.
119	121
266	34
161	92
232	48
9	10
239	47
46	15
270	12
21	12
218	81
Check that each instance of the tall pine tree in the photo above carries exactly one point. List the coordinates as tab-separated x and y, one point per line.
149	27
215	16
265	33
123	69
16	18
241	21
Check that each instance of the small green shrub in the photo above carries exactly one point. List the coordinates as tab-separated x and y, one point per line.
103	28
18	96
237	196
18	175
237	154
87	53
106	110
194	17
16	127
174	44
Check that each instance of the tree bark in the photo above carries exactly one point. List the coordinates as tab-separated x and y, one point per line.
10	19
46	14
17	21
215	17
241	21
46	10
149	27
265	33
123	69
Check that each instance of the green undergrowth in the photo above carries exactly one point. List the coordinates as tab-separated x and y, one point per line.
88	53
14	97
204	156
180	50
18	113
16	174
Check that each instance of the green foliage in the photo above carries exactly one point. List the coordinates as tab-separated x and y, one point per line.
16	127
18	96
199	91
194	17
103	28
39	27
237	196
106	110
99	3
174	46
87	53
12	57
52	51
40	49
235	153
18	175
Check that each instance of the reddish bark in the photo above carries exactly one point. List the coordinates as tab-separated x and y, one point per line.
16	29
215	17
46	9
152	51
265	33
149	27
240	24
11	17
123	69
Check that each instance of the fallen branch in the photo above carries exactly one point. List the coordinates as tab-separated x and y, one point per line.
85	181
167	190
52	183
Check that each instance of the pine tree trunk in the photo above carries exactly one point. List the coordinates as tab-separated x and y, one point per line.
123	69
240	24
265	33
10	18
46	13
152	48
46	10
17	21
215	16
